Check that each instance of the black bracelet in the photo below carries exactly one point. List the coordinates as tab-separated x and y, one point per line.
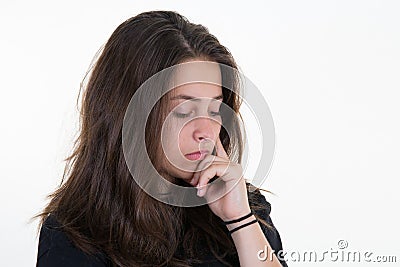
243	225
240	219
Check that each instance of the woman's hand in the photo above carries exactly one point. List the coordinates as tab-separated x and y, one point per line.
234	202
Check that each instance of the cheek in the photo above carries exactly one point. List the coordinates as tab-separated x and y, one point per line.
177	142
217	127
183	139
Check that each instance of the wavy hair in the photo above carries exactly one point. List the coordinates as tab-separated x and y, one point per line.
98	204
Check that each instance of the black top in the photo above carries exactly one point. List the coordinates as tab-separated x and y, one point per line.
55	249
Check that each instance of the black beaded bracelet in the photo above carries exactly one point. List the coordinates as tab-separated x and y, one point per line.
243	225
240	219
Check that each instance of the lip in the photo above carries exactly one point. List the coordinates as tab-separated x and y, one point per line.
197	155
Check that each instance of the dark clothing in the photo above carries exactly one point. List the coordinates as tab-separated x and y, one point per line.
55	249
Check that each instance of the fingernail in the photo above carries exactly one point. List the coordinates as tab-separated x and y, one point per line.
199	192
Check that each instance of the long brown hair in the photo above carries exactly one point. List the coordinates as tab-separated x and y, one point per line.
98	204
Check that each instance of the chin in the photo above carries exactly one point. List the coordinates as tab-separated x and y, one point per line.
186	176
177	175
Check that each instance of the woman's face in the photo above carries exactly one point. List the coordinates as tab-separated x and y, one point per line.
192	126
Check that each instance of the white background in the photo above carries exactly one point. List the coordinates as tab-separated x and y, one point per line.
329	71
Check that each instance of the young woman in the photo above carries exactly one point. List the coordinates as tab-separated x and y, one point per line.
101	215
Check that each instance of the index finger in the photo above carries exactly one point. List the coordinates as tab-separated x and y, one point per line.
220	151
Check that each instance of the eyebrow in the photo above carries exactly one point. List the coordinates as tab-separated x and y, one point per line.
188	97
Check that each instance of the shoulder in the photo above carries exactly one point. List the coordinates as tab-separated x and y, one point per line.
258	202
55	248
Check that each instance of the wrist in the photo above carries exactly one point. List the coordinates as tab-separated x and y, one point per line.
242	213
234	225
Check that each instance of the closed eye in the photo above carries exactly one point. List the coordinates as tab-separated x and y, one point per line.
181	115
213	113
185	115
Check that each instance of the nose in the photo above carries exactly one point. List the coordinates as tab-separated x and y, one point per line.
205	128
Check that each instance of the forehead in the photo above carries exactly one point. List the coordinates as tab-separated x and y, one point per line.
197	79
197	71
197	90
